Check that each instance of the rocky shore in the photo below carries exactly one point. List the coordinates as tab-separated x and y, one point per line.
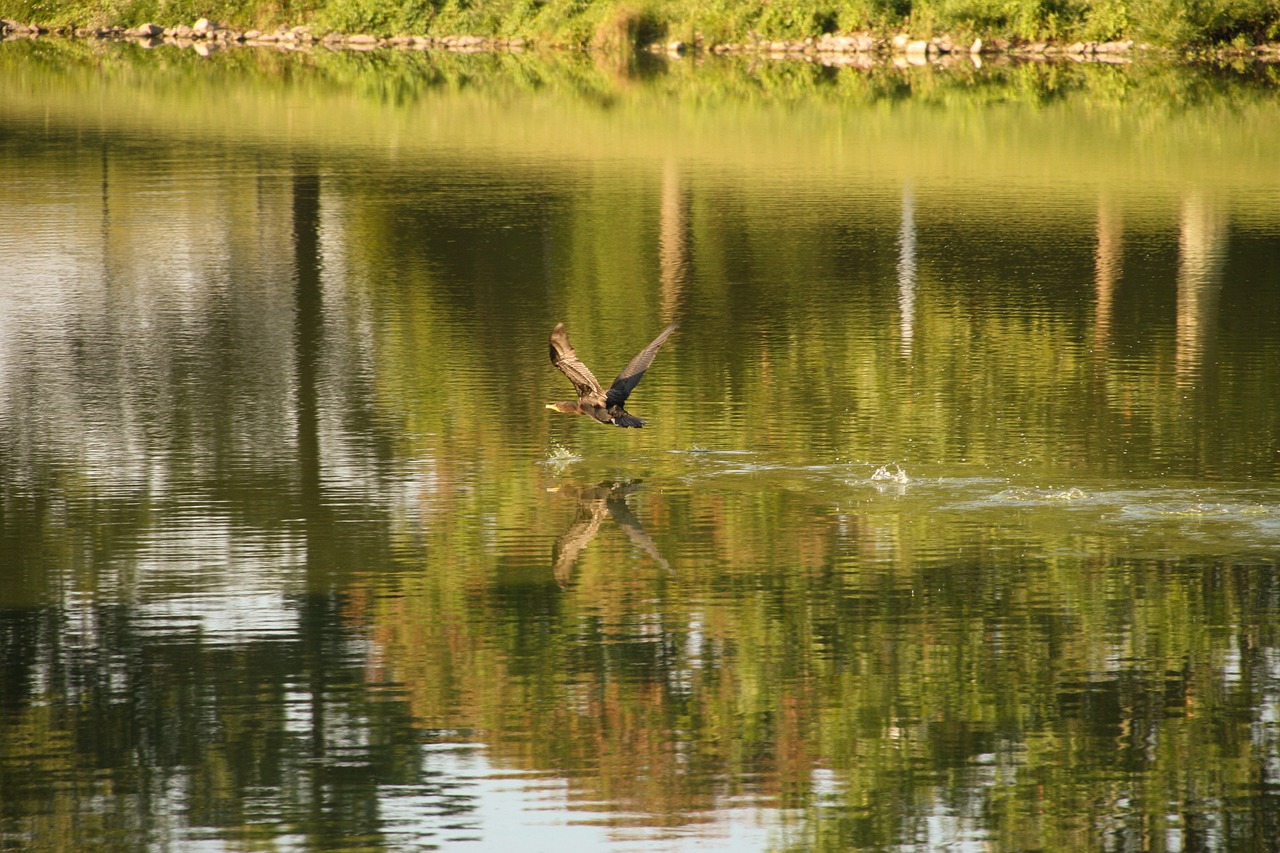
859	48
867	49
210	35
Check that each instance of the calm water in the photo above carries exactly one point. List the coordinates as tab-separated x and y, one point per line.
956	525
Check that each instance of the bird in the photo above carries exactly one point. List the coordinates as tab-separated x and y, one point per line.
593	400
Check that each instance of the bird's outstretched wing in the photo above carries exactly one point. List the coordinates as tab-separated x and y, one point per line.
630	377
568	363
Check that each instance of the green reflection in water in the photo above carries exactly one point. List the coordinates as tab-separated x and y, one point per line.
281	506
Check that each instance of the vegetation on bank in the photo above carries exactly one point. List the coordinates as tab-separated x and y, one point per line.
1167	23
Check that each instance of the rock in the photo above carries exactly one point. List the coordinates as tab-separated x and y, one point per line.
252	35
900	41
844	44
362	38
976	47
203	25
676	47
919	47
147	31
1115	46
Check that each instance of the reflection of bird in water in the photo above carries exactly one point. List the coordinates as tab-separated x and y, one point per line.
593	400
594	503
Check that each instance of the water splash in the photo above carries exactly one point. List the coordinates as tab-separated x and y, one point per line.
888	474
561	457
1023	494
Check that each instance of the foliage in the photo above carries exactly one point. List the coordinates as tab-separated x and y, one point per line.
259	13
622	24
1181	22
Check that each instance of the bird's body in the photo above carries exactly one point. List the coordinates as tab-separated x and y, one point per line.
594	401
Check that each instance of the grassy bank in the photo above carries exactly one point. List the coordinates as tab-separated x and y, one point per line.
1166	23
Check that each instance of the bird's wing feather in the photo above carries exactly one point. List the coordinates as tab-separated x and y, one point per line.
630	377
568	363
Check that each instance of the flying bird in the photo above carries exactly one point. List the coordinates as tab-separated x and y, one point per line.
593	400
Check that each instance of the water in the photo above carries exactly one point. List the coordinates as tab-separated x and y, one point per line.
955	525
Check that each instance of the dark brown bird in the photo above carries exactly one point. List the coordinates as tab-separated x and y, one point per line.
593	401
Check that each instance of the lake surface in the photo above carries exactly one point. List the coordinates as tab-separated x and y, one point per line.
955	526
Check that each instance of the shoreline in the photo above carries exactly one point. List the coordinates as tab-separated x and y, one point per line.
858	49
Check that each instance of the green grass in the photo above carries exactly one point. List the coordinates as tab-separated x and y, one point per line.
614	24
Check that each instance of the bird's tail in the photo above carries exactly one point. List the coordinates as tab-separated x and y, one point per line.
626	420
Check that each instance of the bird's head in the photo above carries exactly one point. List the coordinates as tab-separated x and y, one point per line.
564	408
